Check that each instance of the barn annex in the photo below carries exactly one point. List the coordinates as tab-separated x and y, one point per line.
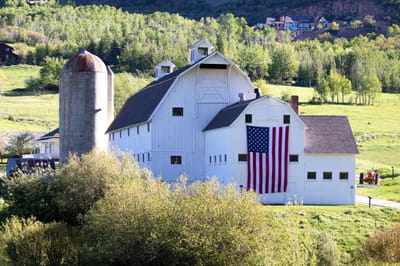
206	119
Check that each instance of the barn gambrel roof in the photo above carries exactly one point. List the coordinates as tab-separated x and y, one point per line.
140	106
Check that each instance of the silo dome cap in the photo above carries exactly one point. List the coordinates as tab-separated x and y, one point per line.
84	62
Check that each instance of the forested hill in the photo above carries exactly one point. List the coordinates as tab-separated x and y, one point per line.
257	10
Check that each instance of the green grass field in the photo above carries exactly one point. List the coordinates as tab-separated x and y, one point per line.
20	111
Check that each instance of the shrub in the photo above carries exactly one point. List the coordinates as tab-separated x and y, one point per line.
382	247
200	224
69	193
328	252
29	242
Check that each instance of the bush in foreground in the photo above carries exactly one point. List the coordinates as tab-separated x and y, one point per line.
142	222
381	247
30	242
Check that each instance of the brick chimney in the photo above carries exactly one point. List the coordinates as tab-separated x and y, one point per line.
294	102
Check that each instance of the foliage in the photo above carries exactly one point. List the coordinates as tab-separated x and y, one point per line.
29	242
382	247
50	72
328	253
125	85
200	224
283	66
19	144
71	192
370	87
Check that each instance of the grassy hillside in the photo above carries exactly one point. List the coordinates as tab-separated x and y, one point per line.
376	128
21	109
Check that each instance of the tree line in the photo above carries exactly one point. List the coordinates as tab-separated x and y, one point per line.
47	35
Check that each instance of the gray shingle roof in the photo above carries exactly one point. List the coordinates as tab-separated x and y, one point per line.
139	107
52	134
329	134
226	116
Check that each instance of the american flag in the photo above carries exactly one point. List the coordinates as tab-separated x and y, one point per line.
267	159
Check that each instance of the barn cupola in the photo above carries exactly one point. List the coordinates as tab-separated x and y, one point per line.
199	50
164	68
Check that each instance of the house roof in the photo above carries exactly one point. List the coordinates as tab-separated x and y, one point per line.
139	107
226	116
55	134
329	134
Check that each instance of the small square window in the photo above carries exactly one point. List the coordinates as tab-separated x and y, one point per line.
343	175
165	69
249	118
327	175
176	159
312	175
202	50
177	111
242	157
293	157
286	119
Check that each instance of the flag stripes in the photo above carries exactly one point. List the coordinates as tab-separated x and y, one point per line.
267	163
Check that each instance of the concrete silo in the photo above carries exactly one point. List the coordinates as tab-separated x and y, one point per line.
86	105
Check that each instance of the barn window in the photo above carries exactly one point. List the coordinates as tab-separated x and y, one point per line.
165	69
176	159
220	158
120	134
137	130
293	157
142	157
191	55
312	175
109	137
112	136
286	119
202	51
225	158
248	118
177	111
242	157
148	127
215	158
343	175
128	132
148	157
210	159
327	175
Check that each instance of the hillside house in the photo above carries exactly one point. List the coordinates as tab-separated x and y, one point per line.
207	119
7	55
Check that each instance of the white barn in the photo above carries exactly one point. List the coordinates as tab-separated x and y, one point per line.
198	121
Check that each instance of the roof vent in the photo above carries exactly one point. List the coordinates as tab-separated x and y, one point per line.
200	50
164	68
